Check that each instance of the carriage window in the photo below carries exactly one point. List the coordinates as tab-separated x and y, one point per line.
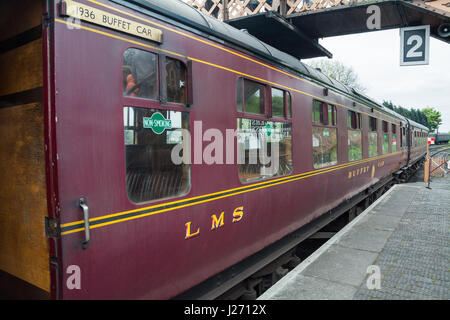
404	143
324	140
354	136
373	144
250	96
324	134
373	137
175	81
401	136
139	71
324	113
253	97
332	116
277	102
385	143
239	91
354	120
394	138
372	124
289	104
354	145
150	135
281	103
264	149
317	112
385	146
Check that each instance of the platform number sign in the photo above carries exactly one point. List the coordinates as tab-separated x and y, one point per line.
414	45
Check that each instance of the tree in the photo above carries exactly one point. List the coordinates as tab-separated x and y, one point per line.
414	114
434	118
424	119
339	72
403	111
389	105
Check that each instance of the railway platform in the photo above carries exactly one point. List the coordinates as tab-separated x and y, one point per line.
398	248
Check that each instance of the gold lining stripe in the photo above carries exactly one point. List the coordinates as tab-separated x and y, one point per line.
344	165
234	53
288	179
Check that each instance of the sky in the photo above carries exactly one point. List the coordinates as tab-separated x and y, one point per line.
375	57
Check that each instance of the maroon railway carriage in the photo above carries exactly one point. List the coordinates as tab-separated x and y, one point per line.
93	98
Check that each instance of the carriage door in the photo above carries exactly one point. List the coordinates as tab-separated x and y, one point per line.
117	123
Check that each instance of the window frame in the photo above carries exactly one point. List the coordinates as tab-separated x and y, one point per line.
404	138
385	126
393	132
161	92
355	118
158	105
393	128
372	121
271	104
372	128
244	114
188	189
337	145
267	116
163	81
362	144
324	122
324	114
368	142
385	130
158	75
288	104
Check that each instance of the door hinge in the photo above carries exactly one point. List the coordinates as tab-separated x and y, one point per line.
52	228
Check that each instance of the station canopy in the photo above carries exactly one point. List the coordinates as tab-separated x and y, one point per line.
272	28
298	33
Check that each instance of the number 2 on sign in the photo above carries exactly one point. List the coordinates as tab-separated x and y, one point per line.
412	53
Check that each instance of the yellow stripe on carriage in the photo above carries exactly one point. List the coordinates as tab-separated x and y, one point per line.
278	182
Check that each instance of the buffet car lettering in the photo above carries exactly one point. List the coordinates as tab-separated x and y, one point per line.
99	17
358	171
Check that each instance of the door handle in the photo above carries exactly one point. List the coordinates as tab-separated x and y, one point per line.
85	209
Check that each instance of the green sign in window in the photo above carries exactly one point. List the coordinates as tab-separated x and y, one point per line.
157	123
